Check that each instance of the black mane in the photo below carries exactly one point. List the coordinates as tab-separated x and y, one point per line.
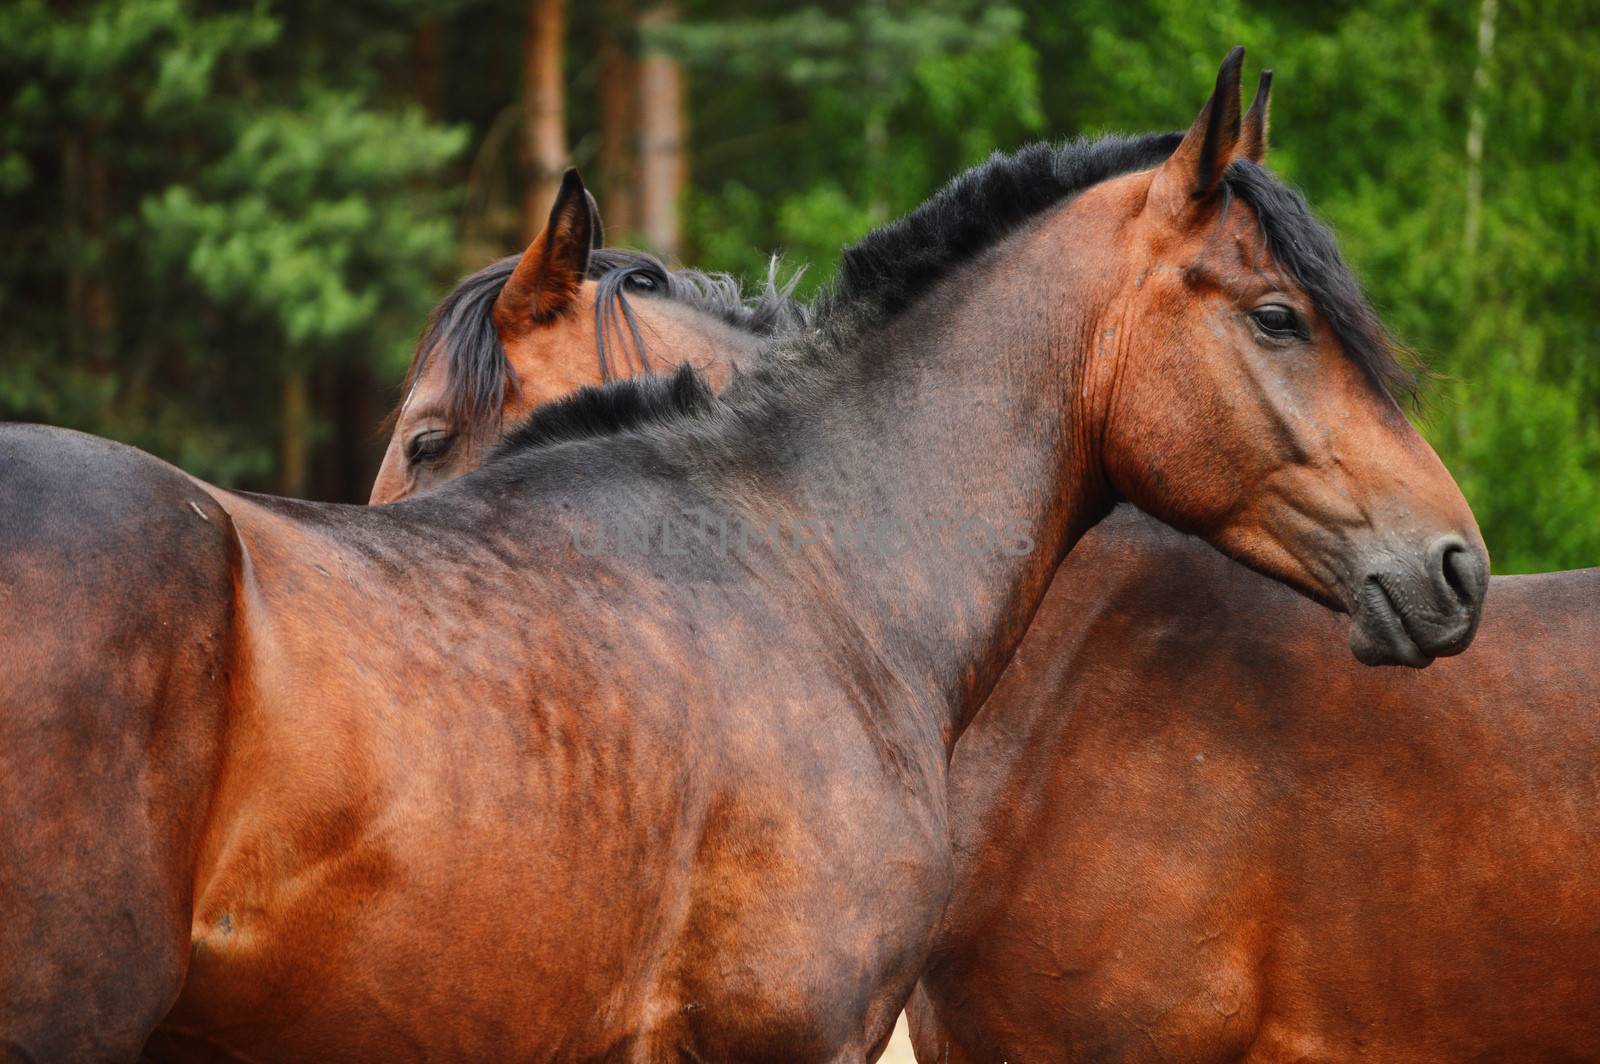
461	331
628	403
461	328
892	266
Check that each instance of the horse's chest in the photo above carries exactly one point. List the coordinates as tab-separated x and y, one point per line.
807	923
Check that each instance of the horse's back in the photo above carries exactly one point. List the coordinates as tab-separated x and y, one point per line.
115	602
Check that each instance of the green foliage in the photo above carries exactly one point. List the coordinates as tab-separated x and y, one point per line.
313	219
199	203
864	110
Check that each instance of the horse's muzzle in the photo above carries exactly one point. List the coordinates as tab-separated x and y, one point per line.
1410	610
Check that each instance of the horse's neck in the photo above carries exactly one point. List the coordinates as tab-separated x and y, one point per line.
961	414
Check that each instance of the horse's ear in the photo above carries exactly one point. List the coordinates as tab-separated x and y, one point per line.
1253	137
549	273
1195	170
597	231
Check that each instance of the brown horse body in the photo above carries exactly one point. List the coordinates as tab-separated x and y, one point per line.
430	782
356	808
1186	831
466	861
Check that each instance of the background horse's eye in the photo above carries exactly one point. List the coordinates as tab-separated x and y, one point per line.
430	446
1275	319
641	282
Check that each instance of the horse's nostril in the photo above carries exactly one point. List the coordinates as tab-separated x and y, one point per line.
1455	562
1457	571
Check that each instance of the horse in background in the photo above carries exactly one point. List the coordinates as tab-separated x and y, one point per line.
429	779
566	313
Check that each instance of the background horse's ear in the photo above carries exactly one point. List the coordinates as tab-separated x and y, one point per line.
596	229
1195	170
549	273
1253	137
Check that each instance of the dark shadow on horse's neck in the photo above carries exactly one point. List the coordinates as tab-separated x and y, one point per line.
955	418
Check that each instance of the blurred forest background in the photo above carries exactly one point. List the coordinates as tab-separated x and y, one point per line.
224	223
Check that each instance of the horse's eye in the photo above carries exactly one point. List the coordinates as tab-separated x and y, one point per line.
429	446
1277	320
640	282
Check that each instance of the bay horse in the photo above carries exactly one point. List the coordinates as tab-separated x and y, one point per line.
1184	830
435	780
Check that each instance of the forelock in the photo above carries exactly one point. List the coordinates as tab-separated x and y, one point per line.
1304	247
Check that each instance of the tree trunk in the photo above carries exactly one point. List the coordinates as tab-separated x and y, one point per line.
663	146
619	97
345	453
86	196
1475	125
77	275
296	442
543	112
427	65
